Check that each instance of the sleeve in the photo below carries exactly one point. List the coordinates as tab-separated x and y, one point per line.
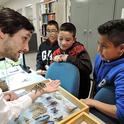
82	61
96	64
39	64
119	91
56	52
11	109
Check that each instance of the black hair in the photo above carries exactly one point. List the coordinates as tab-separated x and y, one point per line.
53	22
114	30
11	21
68	27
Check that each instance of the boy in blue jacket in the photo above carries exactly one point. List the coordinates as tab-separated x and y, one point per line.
108	103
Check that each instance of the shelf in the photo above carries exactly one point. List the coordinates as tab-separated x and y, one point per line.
47	17
47	14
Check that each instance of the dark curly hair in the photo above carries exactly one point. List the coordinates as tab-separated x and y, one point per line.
114	30
53	22
68	27
11	21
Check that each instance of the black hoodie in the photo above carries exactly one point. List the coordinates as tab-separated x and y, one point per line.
44	55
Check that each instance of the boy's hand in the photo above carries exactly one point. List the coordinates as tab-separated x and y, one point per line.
57	58
60	58
64	57
88	102
41	72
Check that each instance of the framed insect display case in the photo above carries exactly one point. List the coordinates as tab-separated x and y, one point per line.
52	108
83	118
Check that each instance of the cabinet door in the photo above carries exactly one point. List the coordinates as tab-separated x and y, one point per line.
100	11
87	15
118	9
79	17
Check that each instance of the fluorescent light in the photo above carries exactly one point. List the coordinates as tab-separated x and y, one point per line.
28	5
81	0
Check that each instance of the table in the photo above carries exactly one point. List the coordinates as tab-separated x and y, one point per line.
17	78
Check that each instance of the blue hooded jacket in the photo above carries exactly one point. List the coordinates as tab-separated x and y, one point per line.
111	73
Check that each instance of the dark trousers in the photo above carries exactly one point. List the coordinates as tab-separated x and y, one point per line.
84	86
106	95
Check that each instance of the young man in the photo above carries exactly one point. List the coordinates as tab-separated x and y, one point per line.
46	49
108	103
74	52
15	32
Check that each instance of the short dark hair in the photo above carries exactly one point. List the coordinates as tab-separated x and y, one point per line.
11	21
53	22
68	27
114	30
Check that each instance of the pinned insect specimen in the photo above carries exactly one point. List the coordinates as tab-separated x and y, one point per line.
54	110
39	87
27	121
59	118
57	96
50	122
43	118
48	98
37	109
70	109
53	103
3	85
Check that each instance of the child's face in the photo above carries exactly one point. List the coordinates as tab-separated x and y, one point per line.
65	40
107	50
52	33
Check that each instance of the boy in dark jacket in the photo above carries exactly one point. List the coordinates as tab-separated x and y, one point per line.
46	49
74	52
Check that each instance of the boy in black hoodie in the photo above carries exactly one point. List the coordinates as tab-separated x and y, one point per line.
46	48
74	52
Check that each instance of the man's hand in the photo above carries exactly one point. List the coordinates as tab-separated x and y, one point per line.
52	86
10	96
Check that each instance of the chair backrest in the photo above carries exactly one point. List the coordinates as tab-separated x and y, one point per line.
67	73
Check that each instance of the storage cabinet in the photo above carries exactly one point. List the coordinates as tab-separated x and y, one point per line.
87	16
118	9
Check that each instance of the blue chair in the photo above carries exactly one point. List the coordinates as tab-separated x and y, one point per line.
67	73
